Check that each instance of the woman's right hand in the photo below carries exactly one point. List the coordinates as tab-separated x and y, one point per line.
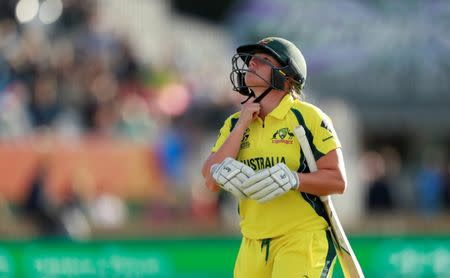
249	112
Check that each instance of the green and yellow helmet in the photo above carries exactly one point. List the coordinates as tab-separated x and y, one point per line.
293	64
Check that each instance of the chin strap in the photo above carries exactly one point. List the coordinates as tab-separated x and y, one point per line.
258	99
252	94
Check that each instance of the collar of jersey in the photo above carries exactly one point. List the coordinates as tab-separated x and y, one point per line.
283	108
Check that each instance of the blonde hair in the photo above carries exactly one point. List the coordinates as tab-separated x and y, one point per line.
295	90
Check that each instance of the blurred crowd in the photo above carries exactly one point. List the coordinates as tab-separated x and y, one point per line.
390	186
75	78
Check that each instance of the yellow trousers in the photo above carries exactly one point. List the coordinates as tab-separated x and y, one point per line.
299	255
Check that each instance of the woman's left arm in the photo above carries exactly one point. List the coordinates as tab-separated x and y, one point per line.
330	177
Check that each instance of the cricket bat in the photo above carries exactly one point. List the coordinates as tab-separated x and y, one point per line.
349	262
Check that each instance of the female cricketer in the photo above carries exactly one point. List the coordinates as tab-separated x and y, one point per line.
258	159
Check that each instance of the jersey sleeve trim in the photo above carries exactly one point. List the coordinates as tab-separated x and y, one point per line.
317	154
233	123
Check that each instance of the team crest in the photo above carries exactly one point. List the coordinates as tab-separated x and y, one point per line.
283	135
244	142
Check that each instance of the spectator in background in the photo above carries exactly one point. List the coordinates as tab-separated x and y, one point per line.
430	184
44	107
14	119
40	208
378	194
402	185
55	214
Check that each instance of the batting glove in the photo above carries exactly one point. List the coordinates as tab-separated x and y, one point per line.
270	183
230	175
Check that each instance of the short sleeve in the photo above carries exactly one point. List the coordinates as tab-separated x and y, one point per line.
325	138
224	133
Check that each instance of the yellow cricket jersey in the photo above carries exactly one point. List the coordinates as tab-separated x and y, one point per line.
266	143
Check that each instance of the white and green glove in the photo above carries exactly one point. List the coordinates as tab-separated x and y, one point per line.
270	183
230	175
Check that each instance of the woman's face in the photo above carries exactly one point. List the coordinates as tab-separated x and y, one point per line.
260	71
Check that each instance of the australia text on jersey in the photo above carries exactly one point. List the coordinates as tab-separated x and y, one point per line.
258	163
